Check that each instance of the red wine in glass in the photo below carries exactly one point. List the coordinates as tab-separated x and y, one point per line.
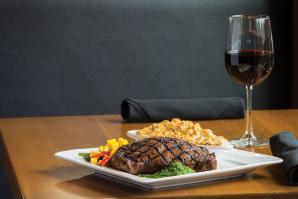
249	67
249	57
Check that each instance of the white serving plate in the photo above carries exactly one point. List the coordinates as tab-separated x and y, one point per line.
231	163
133	134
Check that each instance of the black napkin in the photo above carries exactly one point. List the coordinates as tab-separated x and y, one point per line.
153	110
285	146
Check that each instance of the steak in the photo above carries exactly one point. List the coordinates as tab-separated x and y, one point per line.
152	154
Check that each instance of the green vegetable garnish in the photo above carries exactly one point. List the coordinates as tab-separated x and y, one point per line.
175	169
86	156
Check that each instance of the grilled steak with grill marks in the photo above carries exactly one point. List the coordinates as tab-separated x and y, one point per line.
152	154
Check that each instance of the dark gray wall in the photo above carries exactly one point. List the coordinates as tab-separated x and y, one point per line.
61	57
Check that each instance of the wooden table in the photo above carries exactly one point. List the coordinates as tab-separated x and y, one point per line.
28	146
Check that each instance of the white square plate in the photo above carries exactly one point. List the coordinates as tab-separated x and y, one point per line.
231	163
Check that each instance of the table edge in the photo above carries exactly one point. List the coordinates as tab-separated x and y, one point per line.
9	171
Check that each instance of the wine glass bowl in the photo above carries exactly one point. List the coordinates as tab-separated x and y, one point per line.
249	67
249	58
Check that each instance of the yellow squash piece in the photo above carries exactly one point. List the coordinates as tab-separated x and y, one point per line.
93	160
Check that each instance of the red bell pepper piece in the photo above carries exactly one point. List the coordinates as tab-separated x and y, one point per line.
100	155
104	161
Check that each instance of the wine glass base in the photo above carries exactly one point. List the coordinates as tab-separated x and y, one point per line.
250	142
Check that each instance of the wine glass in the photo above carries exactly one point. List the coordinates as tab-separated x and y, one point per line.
249	58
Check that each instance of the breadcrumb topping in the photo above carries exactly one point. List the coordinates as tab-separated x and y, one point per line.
182	129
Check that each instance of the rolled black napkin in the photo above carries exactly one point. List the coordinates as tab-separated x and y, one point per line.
285	146
153	110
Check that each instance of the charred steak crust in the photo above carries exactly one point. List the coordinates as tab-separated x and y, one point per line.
152	154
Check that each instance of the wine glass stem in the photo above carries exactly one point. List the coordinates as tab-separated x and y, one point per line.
249	128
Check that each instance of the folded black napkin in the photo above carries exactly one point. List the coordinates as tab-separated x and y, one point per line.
285	146
153	110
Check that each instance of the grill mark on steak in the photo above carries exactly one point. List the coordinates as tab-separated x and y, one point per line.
169	150
161	155
180	156
192	158
152	154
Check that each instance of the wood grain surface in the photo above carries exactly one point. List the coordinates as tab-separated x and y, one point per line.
28	146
